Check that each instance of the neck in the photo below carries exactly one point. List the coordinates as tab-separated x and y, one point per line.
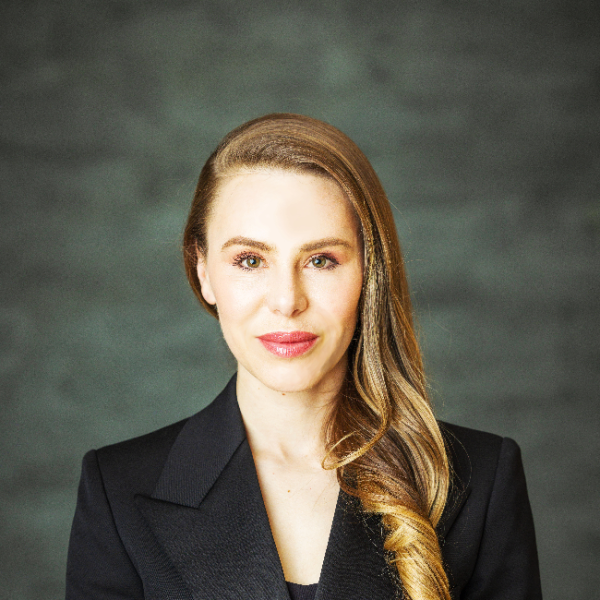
287	426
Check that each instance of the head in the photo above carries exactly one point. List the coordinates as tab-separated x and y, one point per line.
302	149
382	436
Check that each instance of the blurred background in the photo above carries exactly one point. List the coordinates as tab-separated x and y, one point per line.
483	122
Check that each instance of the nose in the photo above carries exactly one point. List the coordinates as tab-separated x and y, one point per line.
286	294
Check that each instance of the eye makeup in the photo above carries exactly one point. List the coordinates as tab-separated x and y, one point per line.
239	260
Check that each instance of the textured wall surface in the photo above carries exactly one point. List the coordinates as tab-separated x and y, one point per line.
483	121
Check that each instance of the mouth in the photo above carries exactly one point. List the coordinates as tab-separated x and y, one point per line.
288	344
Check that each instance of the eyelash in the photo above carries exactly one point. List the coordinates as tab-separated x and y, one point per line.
240	258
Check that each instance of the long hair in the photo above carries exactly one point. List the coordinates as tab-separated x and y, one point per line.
382	436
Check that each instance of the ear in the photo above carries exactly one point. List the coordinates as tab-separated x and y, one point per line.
205	287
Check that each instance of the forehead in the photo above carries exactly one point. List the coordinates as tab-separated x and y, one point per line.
267	204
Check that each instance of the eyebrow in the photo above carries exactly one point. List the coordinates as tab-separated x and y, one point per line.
310	247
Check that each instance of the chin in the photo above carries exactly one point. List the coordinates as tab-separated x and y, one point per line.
288	380
294	378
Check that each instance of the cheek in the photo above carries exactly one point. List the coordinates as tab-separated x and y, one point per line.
235	309
340	302
235	296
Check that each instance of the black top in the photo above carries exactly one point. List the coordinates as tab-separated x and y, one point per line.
172	515
302	592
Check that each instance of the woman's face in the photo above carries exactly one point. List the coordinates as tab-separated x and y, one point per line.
284	267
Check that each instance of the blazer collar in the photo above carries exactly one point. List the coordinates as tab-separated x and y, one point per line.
460	487
208	516
202	450
207	512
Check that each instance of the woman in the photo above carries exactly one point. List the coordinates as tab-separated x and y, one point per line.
320	471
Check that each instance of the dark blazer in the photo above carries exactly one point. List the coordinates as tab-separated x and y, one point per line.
178	515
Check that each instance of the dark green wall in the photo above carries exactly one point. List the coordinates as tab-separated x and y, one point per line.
483	121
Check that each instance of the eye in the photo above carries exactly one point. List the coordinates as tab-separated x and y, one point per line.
322	262
248	262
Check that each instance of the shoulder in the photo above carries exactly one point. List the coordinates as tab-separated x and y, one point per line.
488	534
481	447
470	439
476	457
136	463
482	463
149	446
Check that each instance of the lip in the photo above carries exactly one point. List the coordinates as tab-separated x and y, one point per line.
288	344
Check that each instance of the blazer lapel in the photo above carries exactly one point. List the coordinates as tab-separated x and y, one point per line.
208	515
209	518
456	500
460	483
354	567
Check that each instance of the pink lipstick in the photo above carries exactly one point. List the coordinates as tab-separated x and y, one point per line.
288	344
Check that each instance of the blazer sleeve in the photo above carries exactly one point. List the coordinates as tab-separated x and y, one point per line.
98	566
507	562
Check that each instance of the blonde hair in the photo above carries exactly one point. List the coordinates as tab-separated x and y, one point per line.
383	438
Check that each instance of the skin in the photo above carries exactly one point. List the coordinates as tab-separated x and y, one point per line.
284	254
